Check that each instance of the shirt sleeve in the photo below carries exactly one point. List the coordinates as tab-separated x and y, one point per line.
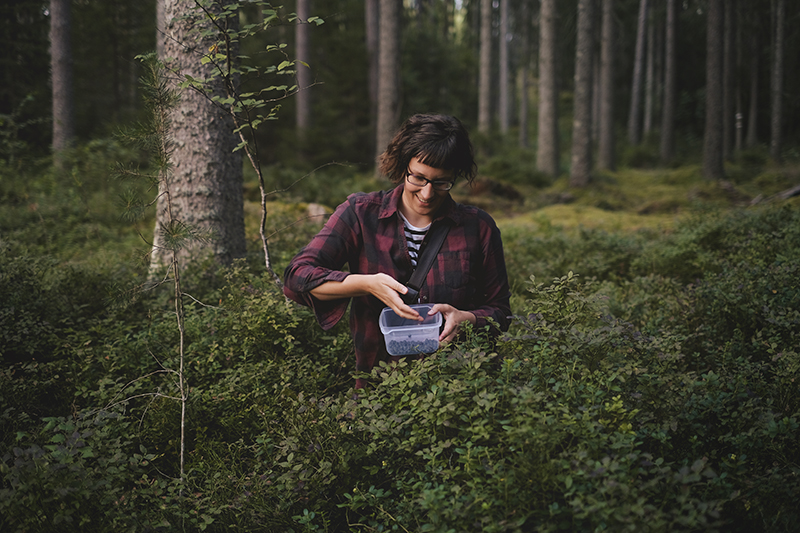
321	261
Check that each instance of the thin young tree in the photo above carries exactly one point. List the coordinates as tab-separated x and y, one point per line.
581	168
547	145
635	112
606	140
712	136
751	139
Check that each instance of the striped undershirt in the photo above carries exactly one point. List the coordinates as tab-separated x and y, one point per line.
414	238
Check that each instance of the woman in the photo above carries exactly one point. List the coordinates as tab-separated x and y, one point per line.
380	235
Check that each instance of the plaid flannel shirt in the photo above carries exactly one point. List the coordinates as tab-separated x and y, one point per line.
366	233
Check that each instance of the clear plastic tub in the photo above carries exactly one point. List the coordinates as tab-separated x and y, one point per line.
408	337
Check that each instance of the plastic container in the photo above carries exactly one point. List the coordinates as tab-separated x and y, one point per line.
408	337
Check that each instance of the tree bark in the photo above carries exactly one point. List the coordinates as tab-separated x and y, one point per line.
388	72
776	85
729	79
303	96
635	113
581	168
524	73
712	138
667	147
752	114
371	22
650	76
61	78
547	151
606	144
505	91
485	74
205	186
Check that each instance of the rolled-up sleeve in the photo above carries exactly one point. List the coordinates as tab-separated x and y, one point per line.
321	261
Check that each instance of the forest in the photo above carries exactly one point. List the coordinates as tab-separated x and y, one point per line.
161	161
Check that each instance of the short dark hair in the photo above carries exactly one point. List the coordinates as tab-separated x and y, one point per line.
439	141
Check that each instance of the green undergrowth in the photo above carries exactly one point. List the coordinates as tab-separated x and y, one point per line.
648	382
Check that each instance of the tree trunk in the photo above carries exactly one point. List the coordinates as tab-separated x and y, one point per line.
668	109
206	182
547	150
61	72
505	91
712	138
303	96
485	74
635	113
581	168
729	79
752	114
388	72
371	22
776	85
650	75
606	144
524	73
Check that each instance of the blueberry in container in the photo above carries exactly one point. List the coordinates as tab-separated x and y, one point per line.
408	337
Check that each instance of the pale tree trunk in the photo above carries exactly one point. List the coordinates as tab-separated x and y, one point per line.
635	112
729	79
667	147
161	26
650	75
581	167
752	113
371	22
606	141
303	97
61	78
388	72
776	85
505	91
205	186
485	69
547	145
712	137
524	73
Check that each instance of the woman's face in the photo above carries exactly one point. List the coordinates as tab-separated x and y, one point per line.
420	202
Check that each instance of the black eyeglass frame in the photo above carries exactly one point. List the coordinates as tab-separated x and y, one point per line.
438	185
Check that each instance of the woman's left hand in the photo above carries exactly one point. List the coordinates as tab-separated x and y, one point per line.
453	318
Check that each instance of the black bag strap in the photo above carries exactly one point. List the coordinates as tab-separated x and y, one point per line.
436	237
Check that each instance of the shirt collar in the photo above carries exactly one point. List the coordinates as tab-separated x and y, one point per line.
447	210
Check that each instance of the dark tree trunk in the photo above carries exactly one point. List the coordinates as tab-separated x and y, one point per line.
303	44
606	148
752	114
389	73
668	110
505	92
776	85
61	78
635	113
547	145
729	80
581	167
524	73
712	138
372	22
485	74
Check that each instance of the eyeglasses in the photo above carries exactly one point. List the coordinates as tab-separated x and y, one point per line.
419	181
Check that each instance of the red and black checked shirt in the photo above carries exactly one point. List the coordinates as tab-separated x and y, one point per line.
366	233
